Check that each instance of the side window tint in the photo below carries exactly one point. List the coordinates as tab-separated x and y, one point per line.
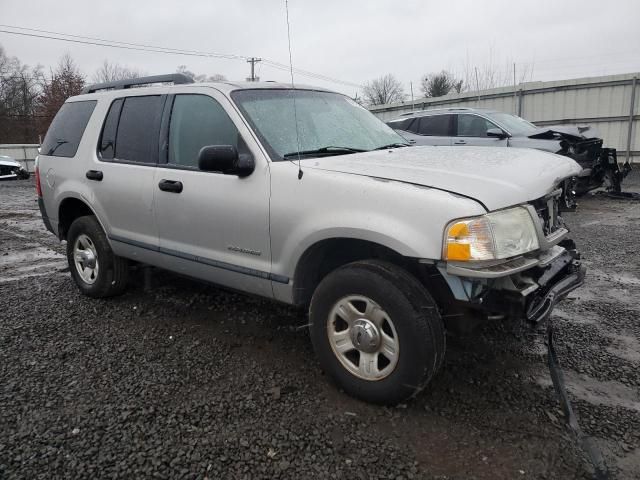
138	129
436	125
67	128
197	121
108	137
473	126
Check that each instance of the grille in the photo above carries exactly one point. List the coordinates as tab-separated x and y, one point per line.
547	209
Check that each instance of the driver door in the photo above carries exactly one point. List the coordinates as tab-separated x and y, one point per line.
211	225
472	130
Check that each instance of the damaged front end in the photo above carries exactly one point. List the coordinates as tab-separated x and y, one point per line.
599	164
528	286
11	169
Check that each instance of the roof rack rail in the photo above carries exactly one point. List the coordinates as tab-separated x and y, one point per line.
443	109
175	78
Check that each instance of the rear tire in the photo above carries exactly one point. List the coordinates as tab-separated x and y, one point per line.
376	331
97	271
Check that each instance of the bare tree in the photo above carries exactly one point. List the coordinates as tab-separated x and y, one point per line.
110	72
66	81
439	84
20	87
492	74
383	90
216	77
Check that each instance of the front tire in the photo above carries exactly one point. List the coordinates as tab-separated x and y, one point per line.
97	271
376	331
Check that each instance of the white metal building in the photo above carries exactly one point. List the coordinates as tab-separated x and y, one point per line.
609	104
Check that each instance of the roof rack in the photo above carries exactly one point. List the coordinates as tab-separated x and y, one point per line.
175	78
444	109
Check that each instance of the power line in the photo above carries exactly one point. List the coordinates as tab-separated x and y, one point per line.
176	50
125	47
95	41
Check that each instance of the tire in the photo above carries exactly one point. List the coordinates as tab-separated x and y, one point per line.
410	334
87	239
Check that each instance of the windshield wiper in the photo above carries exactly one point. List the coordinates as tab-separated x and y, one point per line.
392	145
53	149
324	151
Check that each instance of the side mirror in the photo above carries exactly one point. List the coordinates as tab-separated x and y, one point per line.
497	133
225	159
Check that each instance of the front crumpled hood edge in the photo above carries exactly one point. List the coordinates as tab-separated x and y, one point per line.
420	185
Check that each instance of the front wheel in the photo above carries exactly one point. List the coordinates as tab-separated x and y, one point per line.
376	331
97	271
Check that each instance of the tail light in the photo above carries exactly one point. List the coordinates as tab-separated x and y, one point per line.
38	186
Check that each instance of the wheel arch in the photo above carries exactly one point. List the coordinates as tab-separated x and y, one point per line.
70	209
326	255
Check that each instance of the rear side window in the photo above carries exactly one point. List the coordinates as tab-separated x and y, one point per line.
67	128
138	129
436	125
197	121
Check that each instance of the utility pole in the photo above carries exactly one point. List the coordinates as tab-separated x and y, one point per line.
477	86
411	86
515	95
253	61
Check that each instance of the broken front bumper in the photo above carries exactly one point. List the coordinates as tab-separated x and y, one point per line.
526	287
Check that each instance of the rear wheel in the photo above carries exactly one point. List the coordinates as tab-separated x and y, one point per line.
97	271
377	332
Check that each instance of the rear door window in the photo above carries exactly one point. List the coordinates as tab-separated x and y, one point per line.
67	128
138	129
434	125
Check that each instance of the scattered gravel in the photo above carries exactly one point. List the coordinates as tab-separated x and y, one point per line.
191	381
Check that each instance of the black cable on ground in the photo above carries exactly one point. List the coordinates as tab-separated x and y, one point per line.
585	442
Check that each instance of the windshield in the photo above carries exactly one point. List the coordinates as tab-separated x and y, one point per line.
328	123
513	124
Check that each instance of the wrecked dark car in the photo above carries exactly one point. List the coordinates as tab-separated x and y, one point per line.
581	143
482	127
11	169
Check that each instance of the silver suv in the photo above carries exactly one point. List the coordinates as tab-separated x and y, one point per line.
491	128
302	196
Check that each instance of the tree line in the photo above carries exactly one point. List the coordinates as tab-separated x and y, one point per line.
30	98
388	89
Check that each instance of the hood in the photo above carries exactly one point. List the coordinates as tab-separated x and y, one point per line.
496	177
573	133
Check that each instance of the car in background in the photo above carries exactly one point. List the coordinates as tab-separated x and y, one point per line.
11	169
491	128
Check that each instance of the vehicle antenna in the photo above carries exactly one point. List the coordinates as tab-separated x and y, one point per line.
295	110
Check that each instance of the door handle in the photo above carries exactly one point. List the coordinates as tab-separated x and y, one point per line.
459	142
94	175
173	186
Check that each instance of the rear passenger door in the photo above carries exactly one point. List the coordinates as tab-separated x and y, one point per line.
431	130
122	176
472	130
216	227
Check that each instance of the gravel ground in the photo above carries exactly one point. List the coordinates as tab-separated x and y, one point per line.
190	381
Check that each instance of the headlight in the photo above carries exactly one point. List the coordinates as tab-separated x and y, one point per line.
492	236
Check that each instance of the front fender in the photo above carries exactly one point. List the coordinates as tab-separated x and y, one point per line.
405	218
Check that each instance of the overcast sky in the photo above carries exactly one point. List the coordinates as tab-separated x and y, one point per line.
354	41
